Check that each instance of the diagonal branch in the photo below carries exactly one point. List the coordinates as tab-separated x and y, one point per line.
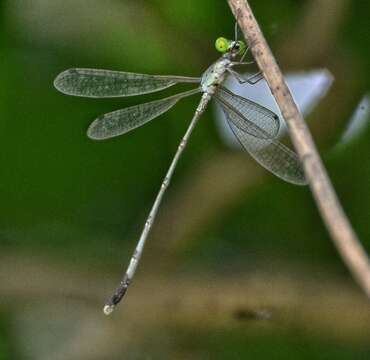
330	209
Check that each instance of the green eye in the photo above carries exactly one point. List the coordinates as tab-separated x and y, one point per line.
242	47
222	44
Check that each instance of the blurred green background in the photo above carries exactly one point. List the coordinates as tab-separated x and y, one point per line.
239	264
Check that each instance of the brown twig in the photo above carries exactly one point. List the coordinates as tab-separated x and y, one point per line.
331	211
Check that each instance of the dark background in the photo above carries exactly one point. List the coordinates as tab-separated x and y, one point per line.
238	264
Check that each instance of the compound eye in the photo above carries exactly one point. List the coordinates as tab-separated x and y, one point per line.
240	46
222	44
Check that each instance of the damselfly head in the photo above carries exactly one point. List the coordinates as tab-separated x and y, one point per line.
224	45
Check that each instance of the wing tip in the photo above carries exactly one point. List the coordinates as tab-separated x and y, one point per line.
94	133
60	80
302	182
297	179
97	132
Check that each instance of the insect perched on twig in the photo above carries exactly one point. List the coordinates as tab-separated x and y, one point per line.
254	126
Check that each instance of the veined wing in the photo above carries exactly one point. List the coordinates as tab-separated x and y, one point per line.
270	153
256	120
122	121
96	83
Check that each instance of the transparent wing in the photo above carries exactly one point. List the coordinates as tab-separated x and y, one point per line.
122	121
256	120
270	153
106	83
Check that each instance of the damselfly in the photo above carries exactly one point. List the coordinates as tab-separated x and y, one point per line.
254	126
